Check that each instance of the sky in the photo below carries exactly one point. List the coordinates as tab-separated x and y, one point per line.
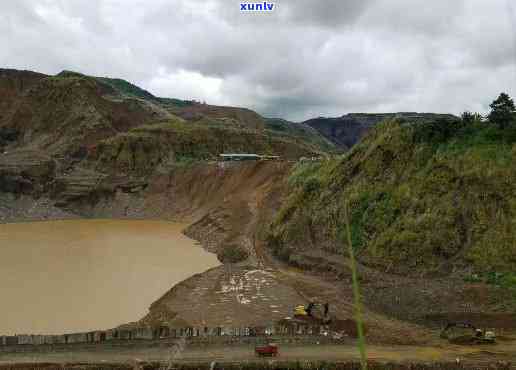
304	59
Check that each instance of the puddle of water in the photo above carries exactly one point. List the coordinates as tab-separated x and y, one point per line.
79	275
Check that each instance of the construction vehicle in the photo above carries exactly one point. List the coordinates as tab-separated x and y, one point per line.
313	310
466	333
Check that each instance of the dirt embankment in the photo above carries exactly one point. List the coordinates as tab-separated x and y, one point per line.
224	202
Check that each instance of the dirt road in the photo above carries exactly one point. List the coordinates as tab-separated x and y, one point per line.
505	351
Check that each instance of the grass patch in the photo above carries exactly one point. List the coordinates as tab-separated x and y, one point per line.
505	280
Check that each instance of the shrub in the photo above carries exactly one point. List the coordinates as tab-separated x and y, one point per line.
232	253
437	131
312	185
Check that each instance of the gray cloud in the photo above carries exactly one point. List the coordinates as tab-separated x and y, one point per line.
306	58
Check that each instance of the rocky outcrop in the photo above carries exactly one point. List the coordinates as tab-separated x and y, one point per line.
77	185
26	171
13	84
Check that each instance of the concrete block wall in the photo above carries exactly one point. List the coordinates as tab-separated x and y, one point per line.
147	333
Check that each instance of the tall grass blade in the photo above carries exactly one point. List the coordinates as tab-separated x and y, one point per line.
356	292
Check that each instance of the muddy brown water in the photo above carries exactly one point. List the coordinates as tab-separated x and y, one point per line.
79	275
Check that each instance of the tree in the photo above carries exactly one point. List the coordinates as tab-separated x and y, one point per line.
438	130
503	111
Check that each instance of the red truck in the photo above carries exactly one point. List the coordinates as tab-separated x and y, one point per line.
269	349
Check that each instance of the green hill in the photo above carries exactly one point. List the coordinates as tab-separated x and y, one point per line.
434	197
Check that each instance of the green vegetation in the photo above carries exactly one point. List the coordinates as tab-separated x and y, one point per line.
232	254
126	88
141	149
299	132
503	280
507	279
176	102
129	90
503	111
424	197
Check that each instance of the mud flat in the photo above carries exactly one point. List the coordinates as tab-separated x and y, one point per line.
79	275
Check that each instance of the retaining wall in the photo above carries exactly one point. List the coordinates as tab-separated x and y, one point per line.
149	333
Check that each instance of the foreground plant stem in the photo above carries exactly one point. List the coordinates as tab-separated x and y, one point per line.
356	292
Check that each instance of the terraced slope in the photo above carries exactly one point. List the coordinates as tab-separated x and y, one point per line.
116	133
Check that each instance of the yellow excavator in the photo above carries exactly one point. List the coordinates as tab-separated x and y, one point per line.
315	310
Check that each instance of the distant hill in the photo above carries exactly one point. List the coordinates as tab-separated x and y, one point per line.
299	131
348	129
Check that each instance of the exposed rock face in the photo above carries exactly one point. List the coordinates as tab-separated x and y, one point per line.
26	171
61	115
23	208
13	84
77	185
80	138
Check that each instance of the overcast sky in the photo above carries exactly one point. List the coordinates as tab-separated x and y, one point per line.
306	58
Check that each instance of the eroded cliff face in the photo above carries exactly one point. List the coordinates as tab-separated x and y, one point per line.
83	141
227	203
80	146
